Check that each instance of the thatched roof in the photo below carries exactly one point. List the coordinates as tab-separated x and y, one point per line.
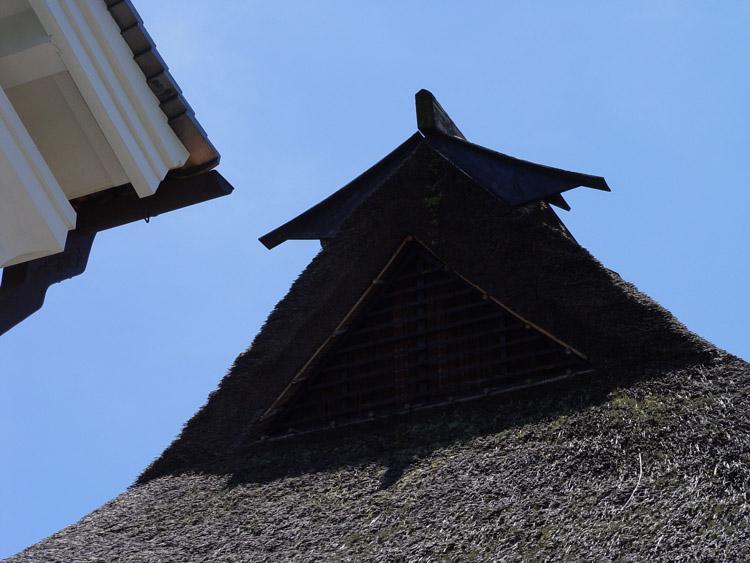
658	470
648	458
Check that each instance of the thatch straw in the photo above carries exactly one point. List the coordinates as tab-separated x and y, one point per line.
647	460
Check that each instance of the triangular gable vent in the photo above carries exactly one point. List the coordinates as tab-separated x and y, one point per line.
421	336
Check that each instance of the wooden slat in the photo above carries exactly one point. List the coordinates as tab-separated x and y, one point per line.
425	336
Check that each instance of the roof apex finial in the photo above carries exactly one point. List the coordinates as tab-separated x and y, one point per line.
432	118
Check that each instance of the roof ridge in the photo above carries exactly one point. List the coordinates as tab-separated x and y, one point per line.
513	181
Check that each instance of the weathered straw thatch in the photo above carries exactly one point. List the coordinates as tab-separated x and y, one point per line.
647	459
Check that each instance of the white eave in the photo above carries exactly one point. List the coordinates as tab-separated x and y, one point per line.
77	116
35	215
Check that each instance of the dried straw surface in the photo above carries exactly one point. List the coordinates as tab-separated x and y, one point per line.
647	459
659	470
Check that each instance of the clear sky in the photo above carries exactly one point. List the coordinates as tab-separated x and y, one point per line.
300	97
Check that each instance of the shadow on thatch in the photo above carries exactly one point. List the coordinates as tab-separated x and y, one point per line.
523	258
398	442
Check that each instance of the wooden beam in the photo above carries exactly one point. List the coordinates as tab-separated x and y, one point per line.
121	205
24	286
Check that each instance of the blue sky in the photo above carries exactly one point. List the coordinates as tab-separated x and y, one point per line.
299	98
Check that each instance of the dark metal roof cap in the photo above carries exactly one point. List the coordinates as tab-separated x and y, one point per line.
432	118
323	220
202	154
514	181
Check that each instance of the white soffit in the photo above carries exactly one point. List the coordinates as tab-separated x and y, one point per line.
20	30
65	132
35	215
76	117
114	89
25	51
13	7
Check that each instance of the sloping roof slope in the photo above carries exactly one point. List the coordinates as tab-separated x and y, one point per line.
647	459
658	471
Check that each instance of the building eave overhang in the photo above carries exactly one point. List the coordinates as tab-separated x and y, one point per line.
114	89
105	138
24	285
107	79
182	120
